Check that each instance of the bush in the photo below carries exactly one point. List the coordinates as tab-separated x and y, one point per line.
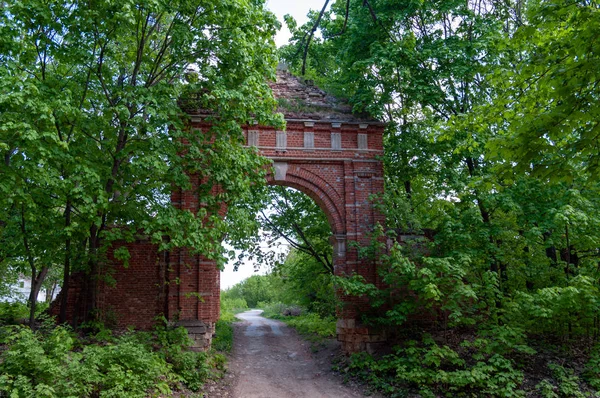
313	324
233	305
60	364
280	310
223	339
307	323
567	384
435	370
273	310
12	313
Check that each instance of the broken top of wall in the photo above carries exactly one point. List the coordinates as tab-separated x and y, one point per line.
299	98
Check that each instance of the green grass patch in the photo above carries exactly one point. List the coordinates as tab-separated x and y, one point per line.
308	324
312	324
223	339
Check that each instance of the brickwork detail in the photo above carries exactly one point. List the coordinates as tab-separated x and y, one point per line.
335	162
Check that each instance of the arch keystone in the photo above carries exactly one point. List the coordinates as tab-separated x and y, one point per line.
281	169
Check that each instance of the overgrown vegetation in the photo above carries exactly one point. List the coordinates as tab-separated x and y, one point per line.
88	92
223	339
93	140
491	186
14	312
54	361
312	324
491	161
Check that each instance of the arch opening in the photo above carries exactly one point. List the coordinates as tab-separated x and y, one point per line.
300	275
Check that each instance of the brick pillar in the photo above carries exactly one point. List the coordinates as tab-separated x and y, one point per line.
362	179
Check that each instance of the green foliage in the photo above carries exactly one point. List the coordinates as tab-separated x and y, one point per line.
10	313
547	91
93	136
231	305
491	153
435	370
278	310
223	338
434	284
552	309
298	282
567	384
592	369
59	364
304	282
312	324
294	217
304	277
250	292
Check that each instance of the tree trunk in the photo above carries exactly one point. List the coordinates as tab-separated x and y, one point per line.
62	317
36	285
50	292
92	276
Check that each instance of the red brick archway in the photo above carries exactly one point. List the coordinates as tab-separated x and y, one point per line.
337	163
325	152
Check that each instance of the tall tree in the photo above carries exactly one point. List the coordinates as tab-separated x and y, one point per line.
492	141
90	101
546	107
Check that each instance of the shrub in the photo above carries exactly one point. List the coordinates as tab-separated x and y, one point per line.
223	339
233	305
281	310
273	310
59	364
12	313
435	370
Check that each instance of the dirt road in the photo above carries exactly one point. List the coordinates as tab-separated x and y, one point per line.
270	361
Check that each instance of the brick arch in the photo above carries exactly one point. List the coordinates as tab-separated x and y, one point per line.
335	163
327	199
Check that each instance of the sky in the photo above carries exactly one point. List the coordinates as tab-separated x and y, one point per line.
298	9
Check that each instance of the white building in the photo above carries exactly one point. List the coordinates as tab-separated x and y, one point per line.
21	289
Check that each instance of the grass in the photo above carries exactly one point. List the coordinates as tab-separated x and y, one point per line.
310	325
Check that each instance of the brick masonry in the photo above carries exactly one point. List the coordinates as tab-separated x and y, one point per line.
334	161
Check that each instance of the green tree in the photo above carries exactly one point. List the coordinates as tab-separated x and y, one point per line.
304	282
255	289
92	131
295	217
546	108
304	276
471	90
491	154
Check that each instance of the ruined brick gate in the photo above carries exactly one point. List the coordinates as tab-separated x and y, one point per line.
325	152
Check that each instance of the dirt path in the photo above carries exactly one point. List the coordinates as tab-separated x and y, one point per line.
270	361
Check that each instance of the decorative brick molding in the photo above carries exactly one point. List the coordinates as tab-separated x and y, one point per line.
341	176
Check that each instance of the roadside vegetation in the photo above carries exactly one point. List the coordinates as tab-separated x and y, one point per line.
491	271
490	255
223	339
56	361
